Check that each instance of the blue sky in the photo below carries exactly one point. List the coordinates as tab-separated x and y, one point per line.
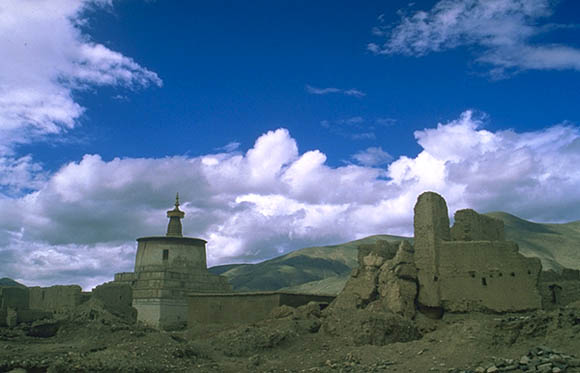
282	124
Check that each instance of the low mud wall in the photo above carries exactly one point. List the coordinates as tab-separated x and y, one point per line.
243	307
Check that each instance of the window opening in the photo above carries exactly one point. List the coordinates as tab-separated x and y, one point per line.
165	255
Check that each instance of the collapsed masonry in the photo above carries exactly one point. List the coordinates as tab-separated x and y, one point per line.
468	267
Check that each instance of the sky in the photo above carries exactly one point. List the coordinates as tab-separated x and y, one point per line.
282	124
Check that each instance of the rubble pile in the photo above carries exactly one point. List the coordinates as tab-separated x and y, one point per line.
540	359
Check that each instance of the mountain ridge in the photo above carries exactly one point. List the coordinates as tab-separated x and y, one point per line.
325	269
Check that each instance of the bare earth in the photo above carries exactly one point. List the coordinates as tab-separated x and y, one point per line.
96	341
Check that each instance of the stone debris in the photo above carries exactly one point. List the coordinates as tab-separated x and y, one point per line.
540	359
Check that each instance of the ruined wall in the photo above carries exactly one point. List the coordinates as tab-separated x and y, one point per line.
13	297
487	276
382	281
559	289
471	226
381	248
470	267
12	301
59	298
397	282
431	225
36	303
243	307
116	298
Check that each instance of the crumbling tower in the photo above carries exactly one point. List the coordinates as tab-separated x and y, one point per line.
470	267
167	268
431	227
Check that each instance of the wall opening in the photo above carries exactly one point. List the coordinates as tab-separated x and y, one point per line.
555	289
435	278
483	281
165	255
513	274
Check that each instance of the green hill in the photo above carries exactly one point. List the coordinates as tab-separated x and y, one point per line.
331	264
556	245
5	281
325	269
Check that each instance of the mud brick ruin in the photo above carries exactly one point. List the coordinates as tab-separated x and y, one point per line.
470	267
464	268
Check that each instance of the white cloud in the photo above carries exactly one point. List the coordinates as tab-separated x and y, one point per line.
354	92
50	57
272	198
324	91
372	157
321	91
502	29
230	147
20	173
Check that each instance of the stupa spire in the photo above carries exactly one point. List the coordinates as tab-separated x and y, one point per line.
175	216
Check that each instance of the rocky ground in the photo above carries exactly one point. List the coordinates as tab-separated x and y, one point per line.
93	340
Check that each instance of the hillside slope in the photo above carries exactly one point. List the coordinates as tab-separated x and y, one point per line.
556	245
5	281
308	265
325	269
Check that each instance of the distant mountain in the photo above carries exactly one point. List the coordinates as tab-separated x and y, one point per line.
556	245
325	269
309	265
5	281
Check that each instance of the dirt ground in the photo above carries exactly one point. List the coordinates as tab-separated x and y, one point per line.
95	341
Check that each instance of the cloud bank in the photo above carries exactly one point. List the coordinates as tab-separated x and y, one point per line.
50	57
272	198
502	31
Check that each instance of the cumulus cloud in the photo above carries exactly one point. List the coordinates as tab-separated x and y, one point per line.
51	57
502	31
20	173
324	91
272	198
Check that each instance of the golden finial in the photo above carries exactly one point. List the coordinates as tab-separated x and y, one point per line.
175	216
